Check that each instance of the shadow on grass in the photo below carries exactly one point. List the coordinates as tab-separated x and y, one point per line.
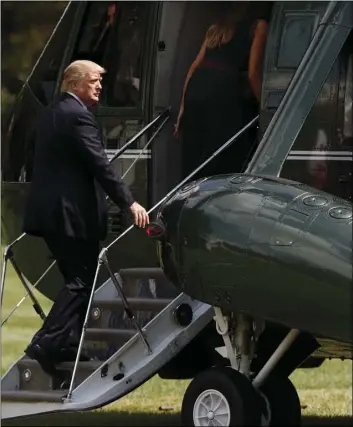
327	421
99	418
140	419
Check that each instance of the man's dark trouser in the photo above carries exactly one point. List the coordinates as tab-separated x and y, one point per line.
77	261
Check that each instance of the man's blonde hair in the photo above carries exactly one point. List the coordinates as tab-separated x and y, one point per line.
77	71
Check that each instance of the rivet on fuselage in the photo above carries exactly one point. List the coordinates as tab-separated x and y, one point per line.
27	375
96	313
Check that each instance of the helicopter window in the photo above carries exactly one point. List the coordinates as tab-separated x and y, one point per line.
113	35
296	35
321	155
117	131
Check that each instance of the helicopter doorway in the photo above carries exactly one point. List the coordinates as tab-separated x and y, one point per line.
183	28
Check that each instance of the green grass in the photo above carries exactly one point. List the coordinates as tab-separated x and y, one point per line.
325	392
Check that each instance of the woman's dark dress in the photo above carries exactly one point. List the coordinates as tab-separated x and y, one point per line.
219	102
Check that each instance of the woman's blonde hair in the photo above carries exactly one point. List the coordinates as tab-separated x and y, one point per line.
222	32
77	71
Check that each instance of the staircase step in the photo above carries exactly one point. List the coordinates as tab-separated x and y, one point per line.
111	335
143	273
147	304
91	365
32	376
33	396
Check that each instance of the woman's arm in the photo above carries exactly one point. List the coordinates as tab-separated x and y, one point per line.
256	55
192	68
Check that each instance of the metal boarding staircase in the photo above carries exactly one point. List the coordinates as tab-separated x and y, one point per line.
27	390
136	354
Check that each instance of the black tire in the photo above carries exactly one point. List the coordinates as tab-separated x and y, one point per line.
283	400
240	395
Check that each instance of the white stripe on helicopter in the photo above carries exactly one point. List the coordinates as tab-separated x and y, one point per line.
321	153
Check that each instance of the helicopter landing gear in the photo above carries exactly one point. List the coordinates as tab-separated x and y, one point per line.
235	396
220	397
282	401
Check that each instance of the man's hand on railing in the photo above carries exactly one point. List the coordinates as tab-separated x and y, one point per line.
140	215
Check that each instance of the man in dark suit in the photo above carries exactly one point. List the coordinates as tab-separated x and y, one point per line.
67	206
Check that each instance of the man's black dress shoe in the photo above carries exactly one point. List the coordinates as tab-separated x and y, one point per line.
61	378
47	361
44	358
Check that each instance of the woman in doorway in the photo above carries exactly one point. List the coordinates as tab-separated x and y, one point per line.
215	101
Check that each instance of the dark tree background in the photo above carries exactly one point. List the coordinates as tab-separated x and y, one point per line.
25	29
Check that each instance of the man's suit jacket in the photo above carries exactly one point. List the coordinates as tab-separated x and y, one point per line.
69	161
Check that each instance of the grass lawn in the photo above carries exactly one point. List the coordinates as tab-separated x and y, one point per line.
325	392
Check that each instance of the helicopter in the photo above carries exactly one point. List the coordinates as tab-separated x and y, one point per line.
314	151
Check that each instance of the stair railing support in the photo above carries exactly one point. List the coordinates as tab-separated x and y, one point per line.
8	256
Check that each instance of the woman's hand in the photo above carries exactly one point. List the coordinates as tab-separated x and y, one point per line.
177	124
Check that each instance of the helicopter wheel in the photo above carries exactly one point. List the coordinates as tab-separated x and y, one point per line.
220	396
282	401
